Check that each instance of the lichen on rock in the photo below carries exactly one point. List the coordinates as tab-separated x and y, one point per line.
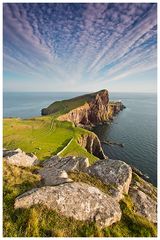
115	173
77	200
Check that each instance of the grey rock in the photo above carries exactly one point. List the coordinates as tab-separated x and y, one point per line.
69	163
77	200
55	169
114	173
144	198
19	158
52	176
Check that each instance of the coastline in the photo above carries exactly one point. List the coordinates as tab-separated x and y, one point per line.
115	128
55	152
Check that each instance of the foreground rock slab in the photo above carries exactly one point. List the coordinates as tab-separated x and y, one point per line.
54	171
77	200
19	158
144	198
114	173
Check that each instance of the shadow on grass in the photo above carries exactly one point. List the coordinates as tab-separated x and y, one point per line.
60	148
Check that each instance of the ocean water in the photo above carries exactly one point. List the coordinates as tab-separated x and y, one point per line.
29	104
135	126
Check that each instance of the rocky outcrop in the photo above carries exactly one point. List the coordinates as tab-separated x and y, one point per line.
114	107
77	200
97	110
89	110
92	144
54	171
91	113
144	198
69	163
114	173
19	158
85	202
93	109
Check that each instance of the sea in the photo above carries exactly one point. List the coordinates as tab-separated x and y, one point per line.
135	126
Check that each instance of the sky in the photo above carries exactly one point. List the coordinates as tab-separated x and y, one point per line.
80	47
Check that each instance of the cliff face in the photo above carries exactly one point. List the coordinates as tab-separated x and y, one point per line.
95	111
87	111
91	113
114	108
92	144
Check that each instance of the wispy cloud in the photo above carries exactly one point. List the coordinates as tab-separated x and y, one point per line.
73	43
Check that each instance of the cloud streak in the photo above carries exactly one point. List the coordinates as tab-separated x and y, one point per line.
73	43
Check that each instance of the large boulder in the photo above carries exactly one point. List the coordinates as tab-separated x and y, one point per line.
77	200
144	198
115	174
19	158
69	163
54	170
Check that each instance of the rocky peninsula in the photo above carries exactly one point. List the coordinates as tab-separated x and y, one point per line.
78	182
89	110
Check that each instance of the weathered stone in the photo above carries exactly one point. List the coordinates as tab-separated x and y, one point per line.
51	161
144	198
55	170
19	158
69	163
114	173
77	200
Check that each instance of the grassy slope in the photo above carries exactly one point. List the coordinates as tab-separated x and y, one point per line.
37	221
44	136
64	106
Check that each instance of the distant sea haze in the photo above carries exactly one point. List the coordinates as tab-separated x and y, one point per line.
135	126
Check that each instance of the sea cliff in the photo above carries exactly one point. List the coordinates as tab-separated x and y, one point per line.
92	109
87	111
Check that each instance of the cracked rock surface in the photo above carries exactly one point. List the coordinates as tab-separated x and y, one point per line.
114	173
54	170
78	200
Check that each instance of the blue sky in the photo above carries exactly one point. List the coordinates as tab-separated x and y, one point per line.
80	47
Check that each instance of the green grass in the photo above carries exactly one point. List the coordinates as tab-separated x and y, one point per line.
78	176
43	136
131	224
38	221
76	150
145	187
64	106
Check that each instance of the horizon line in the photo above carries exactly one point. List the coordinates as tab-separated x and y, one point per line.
74	91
